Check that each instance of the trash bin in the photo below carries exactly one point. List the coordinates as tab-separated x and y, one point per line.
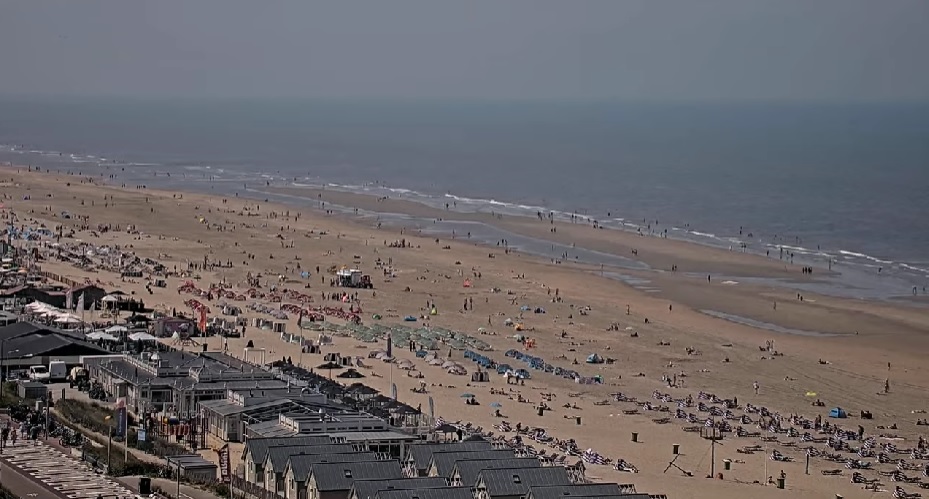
675	449
145	486
578	419
727	464
541	411
635	437
780	483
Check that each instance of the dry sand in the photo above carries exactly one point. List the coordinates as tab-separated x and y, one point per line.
868	335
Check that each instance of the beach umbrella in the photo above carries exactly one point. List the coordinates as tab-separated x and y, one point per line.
496	405
330	366
467	395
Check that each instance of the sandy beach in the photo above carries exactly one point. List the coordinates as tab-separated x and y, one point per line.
697	326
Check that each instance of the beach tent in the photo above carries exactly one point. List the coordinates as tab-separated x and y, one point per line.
594	359
116	329
100	335
141	337
838	412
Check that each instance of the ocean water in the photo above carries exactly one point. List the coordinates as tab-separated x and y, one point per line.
846	183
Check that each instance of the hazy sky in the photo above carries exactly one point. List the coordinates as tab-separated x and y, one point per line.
575	49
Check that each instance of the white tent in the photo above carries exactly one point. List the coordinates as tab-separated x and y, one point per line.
109	299
38	307
116	329
141	337
67	320
100	335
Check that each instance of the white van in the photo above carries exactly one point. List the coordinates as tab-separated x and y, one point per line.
39	373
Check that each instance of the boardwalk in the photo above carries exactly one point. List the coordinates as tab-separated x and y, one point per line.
69	477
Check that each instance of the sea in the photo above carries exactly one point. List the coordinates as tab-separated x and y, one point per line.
841	186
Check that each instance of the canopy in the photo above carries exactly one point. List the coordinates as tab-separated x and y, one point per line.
109	299
100	335
116	329
141	337
67	320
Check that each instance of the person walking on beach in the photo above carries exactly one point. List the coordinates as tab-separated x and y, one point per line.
755	385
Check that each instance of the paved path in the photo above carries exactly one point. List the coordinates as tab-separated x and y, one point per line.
69	477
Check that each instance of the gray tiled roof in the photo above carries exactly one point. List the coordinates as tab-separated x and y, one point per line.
339	476
279	455
574	491
470	469
270	429
445	461
302	466
422	453
443	493
367	489
516	481
256	449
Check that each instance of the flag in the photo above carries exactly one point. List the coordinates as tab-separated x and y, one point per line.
393	391
390	347
439	422
202	319
80	302
69	300
431	407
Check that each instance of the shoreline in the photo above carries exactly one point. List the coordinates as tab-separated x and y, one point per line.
611	247
857	269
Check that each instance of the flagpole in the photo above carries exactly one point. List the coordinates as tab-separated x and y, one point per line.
300	327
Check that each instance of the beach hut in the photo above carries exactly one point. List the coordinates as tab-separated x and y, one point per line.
838	412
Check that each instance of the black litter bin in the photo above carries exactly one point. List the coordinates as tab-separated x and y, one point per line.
145	486
780	483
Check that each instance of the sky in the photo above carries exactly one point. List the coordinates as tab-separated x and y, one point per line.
624	50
